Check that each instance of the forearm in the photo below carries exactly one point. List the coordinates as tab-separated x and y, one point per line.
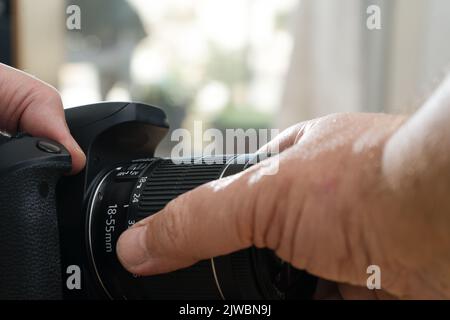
416	165
419	152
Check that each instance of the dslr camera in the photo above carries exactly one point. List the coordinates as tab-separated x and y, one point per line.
58	233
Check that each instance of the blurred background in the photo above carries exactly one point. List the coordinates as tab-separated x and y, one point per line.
234	63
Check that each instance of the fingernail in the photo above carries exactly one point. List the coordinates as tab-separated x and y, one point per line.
76	147
132	249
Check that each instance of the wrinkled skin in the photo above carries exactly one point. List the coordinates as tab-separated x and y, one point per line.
27	104
346	196
313	212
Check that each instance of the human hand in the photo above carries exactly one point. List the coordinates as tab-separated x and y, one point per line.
29	105
309	213
332	209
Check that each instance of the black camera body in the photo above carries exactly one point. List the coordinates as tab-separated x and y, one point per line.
58	232
43	238
30	264
110	134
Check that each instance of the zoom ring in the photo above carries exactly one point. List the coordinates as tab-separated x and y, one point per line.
166	180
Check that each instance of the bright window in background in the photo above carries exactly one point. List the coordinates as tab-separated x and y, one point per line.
223	62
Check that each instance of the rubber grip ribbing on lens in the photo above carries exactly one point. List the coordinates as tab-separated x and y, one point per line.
167	180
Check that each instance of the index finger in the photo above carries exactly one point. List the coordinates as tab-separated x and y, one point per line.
217	218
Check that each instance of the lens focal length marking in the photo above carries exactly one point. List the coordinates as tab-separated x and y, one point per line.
95	200
108	214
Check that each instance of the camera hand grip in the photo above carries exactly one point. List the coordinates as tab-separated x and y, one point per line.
30	265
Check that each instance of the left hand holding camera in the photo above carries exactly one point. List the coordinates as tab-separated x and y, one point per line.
30	105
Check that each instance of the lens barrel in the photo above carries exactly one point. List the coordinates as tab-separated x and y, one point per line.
132	192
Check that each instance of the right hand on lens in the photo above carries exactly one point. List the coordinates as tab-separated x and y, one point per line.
330	210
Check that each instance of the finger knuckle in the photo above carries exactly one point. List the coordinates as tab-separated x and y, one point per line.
283	214
46	92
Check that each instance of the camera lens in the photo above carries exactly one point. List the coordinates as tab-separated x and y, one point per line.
134	191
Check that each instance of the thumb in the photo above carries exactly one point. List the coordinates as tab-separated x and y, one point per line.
215	219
